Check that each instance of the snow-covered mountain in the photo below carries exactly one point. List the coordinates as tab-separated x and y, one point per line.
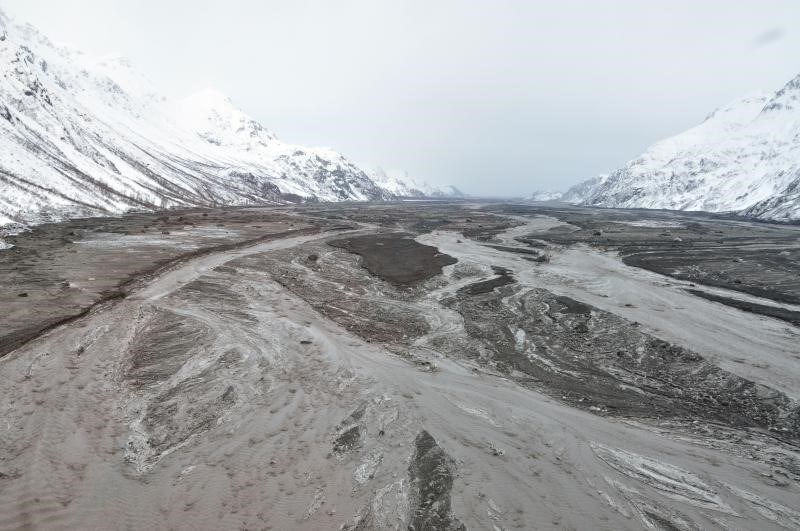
581	191
543	196
744	157
401	185
81	135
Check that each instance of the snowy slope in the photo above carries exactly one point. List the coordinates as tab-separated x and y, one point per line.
81	135
744	157
543	196
579	193
401	185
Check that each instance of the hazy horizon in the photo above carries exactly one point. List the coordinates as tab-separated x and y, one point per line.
498	100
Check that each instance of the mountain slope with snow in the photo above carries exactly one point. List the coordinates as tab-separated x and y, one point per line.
545	196
743	158
401	185
86	136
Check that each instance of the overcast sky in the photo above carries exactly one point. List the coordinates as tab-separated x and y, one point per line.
496	97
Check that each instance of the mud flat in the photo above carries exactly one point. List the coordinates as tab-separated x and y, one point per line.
753	258
396	366
57	272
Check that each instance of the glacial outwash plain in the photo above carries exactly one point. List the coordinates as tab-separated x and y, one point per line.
411	365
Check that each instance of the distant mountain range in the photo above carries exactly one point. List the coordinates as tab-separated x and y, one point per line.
545	196
87	136
743	158
401	185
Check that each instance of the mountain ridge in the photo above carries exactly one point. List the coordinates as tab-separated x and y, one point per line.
82	136
743	158
403	186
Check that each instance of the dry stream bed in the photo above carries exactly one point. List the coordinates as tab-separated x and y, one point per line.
401	366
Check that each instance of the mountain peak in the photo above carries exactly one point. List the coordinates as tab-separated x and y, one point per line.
209	98
545	196
787	98
211	114
400	184
739	111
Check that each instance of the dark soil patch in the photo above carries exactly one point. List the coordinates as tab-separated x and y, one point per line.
517	250
762	309
567	305
396	257
485	286
531	242
763	274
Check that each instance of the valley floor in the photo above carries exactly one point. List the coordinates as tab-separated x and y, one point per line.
401	366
